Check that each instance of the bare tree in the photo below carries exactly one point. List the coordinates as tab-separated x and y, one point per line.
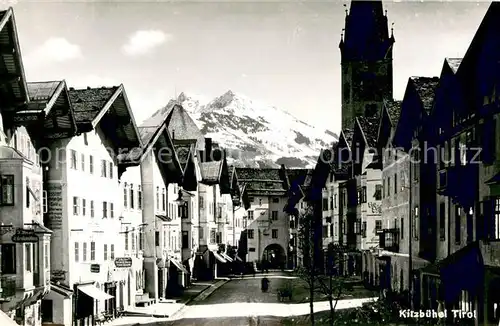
307	271
330	284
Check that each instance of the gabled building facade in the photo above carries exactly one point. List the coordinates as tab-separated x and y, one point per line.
24	240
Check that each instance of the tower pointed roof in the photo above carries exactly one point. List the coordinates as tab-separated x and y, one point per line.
366	34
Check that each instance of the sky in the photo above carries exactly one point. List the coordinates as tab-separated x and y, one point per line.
283	53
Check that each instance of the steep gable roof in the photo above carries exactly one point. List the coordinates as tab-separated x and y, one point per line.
13	87
182	127
425	88
369	128
109	108
48	114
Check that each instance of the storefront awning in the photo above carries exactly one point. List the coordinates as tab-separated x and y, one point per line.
229	259
93	292
6	321
179	265
219	257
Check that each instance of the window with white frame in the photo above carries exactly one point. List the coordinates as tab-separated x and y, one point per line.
125	195
76	206
77	252
84	207
91	164
104	169
7	190
73	159
84	253
82	161
91	208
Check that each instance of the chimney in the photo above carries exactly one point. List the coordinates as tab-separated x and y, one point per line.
208	149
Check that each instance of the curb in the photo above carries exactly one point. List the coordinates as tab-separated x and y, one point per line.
203	294
209	290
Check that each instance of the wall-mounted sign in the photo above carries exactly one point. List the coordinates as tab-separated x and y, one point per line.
123	262
57	275
22	235
95	268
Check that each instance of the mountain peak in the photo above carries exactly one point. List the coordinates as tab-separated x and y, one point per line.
224	100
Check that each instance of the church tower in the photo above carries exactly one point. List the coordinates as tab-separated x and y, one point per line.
366	52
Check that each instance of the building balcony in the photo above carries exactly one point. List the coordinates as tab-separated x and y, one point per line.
389	239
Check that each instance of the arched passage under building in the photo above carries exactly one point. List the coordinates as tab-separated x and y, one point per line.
274	256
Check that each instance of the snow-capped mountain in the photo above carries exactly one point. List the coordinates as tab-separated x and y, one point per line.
255	134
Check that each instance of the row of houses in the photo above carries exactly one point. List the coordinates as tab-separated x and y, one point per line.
408	197
99	214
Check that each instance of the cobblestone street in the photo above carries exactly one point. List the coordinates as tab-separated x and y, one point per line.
241	302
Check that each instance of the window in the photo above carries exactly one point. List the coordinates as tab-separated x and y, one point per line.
141	239
77	252
111	167
378	225
28	257
185	239
164	200
213	235
250	215
395	183
442	221
125	196
85	140
8	258
274	215
251	199
183	210
82	162
92	251
357	227
7	187
157	238
388	186
105	252
158	198
132	203
139	197
325	204
250	234
458	226
84	254
111	210
126	238
201	202
76	206
378	192
45	203
103	169
73	161
402	232
363	194
46	251
133	239
335	200
363	229
91	208
84	207
497	218
274	233
104	209
112	252
91	164
416	223
276	200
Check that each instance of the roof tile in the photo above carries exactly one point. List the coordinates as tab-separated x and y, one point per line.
393	110
369	126
247	174
426	87
42	91
87	103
